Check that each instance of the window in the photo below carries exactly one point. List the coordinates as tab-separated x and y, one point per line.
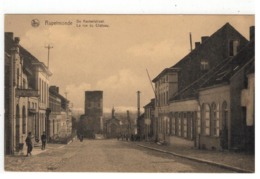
215	119
168	125
206	116
225	115
40	89
204	64
17	76
198	120
185	125
173	125
233	47
24	84
179	125
167	97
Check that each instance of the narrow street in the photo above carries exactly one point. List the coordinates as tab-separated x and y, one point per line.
106	156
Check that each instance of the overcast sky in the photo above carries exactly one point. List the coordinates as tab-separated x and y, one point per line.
114	58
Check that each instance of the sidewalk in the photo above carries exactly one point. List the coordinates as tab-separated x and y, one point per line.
239	162
37	149
20	162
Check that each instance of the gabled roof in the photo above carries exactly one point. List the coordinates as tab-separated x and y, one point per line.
29	59
165	71
223	72
53	92
223	30
151	104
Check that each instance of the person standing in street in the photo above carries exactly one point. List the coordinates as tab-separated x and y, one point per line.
43	138
28	142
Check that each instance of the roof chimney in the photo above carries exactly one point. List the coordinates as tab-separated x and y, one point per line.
197	44
16	40
252	33
55	89
9	35
204	38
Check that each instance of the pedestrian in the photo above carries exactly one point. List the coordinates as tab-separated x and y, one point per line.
81	138
43	138
28	142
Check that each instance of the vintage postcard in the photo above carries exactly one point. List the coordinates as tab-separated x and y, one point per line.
129	93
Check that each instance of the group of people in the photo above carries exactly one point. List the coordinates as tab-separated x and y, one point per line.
123	137
29	143
131	138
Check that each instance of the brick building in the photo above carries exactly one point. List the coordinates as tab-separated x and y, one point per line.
26	95
181	107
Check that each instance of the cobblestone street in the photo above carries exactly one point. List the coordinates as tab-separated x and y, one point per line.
104	156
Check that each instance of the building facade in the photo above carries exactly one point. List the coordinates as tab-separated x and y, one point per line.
60	118
195	110
25	96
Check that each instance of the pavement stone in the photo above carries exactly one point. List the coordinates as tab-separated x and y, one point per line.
239	162
56	154
38	161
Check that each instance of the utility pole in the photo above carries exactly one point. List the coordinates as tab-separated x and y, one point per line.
48	47
190	42
138	111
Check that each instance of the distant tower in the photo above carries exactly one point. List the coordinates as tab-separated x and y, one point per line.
93	103
94	110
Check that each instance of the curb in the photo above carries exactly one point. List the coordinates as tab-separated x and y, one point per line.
236	169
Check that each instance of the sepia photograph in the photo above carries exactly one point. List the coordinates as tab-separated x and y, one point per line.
129	93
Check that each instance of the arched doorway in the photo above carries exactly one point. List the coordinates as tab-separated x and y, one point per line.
224	131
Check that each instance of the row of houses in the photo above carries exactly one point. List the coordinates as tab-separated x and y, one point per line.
206	99
31	104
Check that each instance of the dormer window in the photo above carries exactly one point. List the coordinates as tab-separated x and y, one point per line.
233	47
204	64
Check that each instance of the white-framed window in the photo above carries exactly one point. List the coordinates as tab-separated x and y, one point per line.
198	120
173	125
233	47
206	119
204	64
215	119
168	125
179	125
185	125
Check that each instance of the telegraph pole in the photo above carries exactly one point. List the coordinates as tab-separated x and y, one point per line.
48	47
190	42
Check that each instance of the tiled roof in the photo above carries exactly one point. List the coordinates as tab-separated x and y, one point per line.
166	70
221	73
151	104
221	32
